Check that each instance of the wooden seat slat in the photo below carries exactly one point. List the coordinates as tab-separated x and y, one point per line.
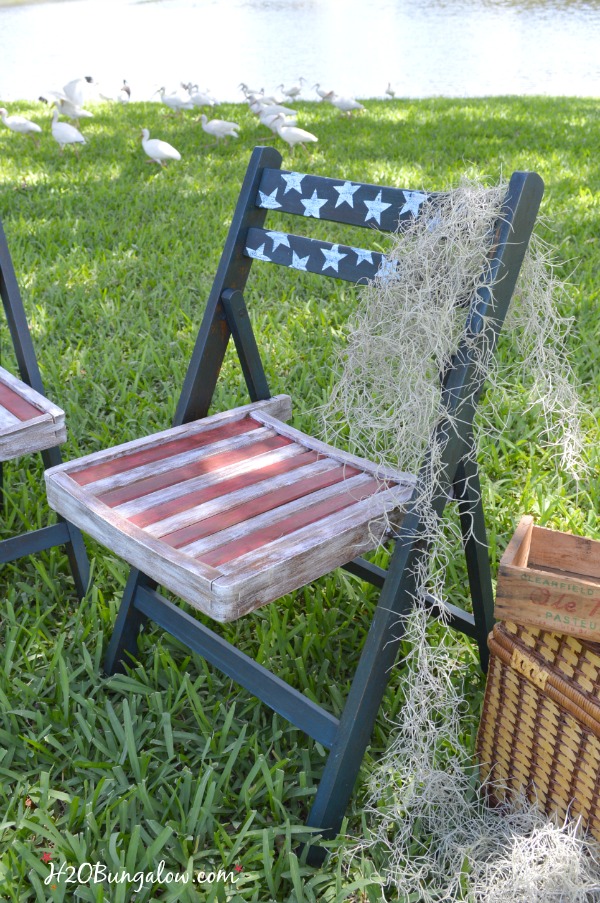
136	459
210	462
198	549
315	256
29	422
7	420
246	468
135	475
253	479
271	497
310	514
15	404
338	200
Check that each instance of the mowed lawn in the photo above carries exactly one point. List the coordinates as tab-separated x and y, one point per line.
115	259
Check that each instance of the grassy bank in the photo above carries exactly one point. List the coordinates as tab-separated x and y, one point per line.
115	259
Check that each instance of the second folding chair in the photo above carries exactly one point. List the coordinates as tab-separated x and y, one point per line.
30	423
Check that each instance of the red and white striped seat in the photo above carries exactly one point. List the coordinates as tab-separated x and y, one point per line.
28	421
231	511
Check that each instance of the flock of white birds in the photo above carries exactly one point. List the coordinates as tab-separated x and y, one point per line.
273	111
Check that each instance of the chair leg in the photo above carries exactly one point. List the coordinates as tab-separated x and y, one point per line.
364	700
78	559
123	643
467	490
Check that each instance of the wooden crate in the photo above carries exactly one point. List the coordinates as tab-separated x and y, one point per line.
552	580
539	734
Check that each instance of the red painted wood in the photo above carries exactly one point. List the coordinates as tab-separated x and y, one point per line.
310	515
166	450
267	502
17	406
137	489
217	490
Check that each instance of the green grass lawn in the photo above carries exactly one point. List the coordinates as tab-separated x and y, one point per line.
115	259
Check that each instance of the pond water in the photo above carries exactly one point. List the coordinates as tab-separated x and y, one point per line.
423	47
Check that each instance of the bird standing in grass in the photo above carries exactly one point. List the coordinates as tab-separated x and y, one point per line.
124	93
64	134
158	151
20	124
346	104
219	128
293	92
292	135
176	102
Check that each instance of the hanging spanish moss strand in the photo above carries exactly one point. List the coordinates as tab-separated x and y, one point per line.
427	819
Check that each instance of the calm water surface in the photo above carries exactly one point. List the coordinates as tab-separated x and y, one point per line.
423	47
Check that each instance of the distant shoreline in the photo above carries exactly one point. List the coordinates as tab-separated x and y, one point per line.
4	3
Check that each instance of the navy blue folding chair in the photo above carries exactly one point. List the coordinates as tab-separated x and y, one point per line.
231	511
30	423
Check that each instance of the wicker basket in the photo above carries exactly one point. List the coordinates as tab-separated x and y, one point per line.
540	726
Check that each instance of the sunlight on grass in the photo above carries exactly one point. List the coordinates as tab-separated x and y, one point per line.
115	259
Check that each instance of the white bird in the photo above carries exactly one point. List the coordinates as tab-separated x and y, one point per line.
390	91
294	91
271	120
77	90
200	98
293	135
124	93
158	151
64	133
345	104
259	107
219	128
321	92
246	90
175	101
20	124
67	108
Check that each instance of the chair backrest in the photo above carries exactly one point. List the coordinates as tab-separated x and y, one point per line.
17	320
268	189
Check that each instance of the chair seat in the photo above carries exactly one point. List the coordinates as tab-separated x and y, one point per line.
231	511
28	421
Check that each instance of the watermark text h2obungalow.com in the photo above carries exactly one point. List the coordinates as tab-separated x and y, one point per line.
98	873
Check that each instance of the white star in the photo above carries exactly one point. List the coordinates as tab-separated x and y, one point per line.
299	263
269	200
332	258
279	238
375	208
293	181
258	254
312	205
387	269
361	255
346	193
412	202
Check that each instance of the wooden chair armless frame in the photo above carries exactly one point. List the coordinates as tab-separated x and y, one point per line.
267	188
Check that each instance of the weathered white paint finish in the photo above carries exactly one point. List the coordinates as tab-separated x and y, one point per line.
155	468
378	471
238	531
21	437
280	406
185	576
186	487
257	577
7	420
288	563
240	497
